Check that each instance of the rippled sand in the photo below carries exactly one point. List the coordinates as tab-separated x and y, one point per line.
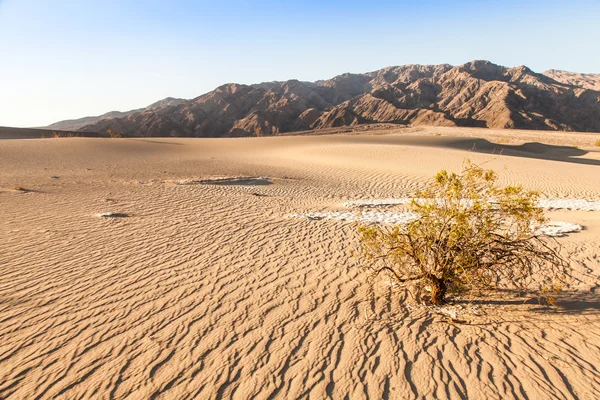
200	285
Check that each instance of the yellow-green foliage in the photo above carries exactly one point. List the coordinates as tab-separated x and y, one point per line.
58	135
470	234
113	134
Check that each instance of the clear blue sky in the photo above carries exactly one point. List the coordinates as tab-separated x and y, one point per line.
71	58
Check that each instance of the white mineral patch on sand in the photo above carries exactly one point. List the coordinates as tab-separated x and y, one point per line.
111	215
550	204
363	217
377	202
558	228
570	204
228	181
552	228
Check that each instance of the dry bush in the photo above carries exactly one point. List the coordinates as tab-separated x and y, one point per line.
504	140
113	134
470	235
58	135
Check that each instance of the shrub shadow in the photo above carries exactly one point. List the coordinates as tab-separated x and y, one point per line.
566	303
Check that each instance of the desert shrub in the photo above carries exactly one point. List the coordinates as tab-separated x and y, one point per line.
470	235
58	135
113	134
503	140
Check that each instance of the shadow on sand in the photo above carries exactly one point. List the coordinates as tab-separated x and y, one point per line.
529	150
567	303
161	142
536	150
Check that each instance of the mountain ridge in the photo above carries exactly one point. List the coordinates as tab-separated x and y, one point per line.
77	123
588	81
478	93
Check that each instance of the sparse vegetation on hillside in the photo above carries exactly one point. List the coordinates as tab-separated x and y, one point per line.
471	235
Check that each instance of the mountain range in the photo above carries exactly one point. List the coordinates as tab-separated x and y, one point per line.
475	94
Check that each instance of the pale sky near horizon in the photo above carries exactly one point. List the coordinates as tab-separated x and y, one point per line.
67	59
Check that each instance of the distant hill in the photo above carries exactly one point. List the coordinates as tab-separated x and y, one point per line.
38	133
75	124
478	94
587	81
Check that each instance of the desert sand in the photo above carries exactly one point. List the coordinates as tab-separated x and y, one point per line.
174	268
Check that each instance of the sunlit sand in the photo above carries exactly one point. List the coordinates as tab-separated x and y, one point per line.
171	268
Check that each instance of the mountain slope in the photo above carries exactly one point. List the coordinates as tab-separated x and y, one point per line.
478	93
587	81
74	124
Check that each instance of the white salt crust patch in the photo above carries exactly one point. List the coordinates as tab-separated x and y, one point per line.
550	204
247	181
111	215
570	204
552	228
366	217
557	228
377	202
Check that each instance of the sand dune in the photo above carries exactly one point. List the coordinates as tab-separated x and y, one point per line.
211	291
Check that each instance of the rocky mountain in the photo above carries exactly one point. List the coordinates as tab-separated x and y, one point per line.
478	94
79	123
588	81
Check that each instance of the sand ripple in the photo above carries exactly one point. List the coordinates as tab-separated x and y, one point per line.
210	292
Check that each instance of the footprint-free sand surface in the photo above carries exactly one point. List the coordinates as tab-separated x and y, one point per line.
172	269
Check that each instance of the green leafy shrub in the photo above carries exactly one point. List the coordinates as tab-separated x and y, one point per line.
470	234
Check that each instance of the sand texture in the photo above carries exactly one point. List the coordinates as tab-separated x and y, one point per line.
171	269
